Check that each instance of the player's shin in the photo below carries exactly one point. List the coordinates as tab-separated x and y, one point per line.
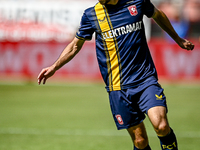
169	141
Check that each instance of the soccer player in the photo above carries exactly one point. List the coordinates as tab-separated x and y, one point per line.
126	66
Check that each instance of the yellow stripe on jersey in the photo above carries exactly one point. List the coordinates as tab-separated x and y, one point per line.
111	48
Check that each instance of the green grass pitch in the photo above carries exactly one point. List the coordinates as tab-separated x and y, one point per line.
78	117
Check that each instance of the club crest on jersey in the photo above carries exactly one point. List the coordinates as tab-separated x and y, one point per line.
119	119
133	10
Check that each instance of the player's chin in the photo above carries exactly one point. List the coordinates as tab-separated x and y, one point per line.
103	2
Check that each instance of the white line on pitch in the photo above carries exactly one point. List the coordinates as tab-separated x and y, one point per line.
29	131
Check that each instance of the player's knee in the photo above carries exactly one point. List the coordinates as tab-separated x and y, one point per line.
162	129
141	143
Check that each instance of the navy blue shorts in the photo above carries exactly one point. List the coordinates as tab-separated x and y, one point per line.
130	105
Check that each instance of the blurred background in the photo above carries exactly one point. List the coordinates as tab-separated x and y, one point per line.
71	111
34	32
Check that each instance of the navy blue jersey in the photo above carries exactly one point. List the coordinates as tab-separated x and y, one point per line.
122	52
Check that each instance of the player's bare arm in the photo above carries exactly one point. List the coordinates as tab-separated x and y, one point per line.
68	53
161	19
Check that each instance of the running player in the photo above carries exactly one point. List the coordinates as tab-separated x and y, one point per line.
126	65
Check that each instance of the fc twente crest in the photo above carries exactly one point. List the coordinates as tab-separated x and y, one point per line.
133	10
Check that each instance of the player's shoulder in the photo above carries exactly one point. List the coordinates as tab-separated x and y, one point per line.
137	2
90	9
88	12
142	1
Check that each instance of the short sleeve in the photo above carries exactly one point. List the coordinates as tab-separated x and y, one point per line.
148	8
85	30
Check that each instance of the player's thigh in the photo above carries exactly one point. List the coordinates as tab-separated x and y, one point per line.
158	118
153	103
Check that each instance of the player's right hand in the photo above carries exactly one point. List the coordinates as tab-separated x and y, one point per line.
45	74
185	44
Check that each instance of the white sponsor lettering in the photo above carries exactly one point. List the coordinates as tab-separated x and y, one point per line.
122	30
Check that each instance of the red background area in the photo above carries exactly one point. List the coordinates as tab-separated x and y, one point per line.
26	59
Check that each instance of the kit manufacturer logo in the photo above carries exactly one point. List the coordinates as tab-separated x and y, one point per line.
102	20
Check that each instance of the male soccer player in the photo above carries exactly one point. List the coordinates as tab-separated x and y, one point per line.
126	65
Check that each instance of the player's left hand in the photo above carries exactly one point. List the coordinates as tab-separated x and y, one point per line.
45	74
185	44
